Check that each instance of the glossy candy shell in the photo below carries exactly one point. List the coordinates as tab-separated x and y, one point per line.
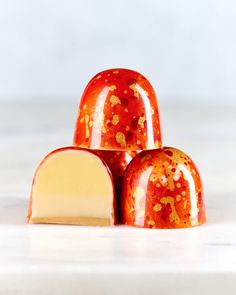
162	189
118	111
117	161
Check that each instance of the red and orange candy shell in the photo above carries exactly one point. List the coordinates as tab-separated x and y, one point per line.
117	161
118	111
162	189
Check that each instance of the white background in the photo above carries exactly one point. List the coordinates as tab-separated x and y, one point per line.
49	49
48	52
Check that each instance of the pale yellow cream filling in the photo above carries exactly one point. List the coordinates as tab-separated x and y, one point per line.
72	183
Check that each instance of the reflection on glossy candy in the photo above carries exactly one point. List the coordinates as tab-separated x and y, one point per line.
162	189
118	111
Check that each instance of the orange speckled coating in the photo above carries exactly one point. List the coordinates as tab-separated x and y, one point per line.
117	161
118	111
162	189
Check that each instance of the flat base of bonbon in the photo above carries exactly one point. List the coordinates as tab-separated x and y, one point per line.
72	220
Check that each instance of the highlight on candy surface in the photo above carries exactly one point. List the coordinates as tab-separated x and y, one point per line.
118	111
72	186
162	189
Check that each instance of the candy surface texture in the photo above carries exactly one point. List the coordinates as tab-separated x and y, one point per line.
162	189
117	161
118	111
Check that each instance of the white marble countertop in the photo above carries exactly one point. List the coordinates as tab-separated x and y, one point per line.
54	259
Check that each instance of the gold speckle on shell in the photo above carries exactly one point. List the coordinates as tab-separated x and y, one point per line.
173	217
157	207
151	222
141	121
185	204
156	144
132	86
178	198
114	100
115	120
153	178
112	87
120	138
